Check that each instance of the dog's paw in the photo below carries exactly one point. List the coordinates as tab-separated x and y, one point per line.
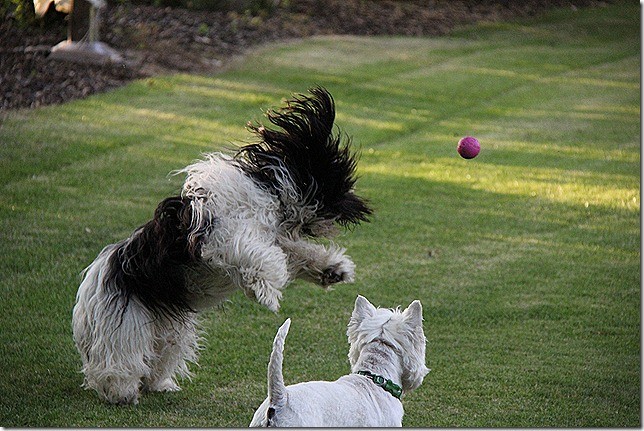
118	391
166	385
342	272
122	399
265	294
126	401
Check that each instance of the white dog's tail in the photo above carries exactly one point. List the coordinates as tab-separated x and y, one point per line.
276	388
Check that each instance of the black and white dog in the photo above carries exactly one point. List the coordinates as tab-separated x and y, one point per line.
247	221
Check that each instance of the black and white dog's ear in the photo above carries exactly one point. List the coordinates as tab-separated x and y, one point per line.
150	265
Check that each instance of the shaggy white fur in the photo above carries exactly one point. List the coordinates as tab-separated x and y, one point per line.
387	343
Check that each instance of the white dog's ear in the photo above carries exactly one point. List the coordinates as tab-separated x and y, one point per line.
414	314
414	362
362	309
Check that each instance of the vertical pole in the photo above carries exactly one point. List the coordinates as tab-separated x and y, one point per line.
69	22
79	22
93	25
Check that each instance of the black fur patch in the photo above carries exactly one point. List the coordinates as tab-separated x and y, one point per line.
151	264
320	165
270	414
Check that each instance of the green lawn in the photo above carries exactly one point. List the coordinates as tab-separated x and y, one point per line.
526	259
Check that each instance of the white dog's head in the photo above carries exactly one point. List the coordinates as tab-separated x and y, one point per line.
402	330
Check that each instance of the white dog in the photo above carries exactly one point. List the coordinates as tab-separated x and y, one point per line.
387	357
241	222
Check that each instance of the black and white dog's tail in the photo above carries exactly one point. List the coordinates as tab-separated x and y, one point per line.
276	387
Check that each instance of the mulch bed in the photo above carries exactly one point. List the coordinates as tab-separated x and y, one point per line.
155	40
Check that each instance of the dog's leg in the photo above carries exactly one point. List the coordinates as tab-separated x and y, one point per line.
262	273
113	335
254	264
315	262
176	343
115	347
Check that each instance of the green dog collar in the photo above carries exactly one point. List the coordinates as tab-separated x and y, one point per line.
386	384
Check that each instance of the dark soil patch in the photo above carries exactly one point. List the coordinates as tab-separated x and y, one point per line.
156	40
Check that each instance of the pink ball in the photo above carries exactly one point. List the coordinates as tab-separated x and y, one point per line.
468	147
